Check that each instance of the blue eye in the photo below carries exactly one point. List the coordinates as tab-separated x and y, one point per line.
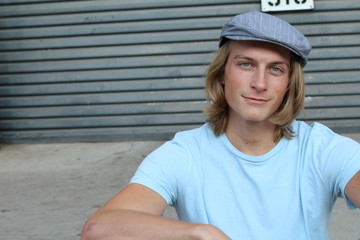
276	69
245	64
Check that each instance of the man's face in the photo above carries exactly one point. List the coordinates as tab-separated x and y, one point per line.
255	79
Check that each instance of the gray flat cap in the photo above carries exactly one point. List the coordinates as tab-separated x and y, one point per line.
260	26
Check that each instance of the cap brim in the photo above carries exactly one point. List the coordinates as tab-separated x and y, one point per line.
247	38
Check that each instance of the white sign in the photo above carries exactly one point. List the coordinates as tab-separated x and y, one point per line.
286	5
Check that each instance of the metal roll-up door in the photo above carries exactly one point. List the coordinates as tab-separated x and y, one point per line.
116	70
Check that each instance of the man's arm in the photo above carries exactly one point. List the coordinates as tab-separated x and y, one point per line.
352	189
135	213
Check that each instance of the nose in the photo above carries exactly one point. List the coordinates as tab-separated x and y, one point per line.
259	81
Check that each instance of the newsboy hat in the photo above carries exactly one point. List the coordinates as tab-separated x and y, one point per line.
260	26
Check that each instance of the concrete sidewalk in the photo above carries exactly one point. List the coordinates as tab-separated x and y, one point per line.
49	190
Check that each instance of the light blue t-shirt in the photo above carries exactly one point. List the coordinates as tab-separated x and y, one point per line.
287	193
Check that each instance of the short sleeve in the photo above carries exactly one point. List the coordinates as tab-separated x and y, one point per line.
161	169
339	160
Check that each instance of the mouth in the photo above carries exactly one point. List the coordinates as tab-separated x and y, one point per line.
256	100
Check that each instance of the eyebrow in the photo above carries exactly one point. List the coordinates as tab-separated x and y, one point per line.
243	57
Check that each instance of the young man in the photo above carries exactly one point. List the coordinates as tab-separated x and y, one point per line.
252	171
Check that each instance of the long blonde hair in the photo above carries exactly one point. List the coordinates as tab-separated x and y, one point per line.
217	112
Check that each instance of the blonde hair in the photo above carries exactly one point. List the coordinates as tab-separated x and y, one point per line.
217	112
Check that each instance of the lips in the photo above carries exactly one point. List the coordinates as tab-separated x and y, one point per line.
256	100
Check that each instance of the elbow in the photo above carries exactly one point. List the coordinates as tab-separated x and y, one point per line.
92	231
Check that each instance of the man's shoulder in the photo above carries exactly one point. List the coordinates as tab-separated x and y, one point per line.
203	131
302	128
202	137
317	134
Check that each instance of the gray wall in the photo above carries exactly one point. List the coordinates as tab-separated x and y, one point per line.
133	69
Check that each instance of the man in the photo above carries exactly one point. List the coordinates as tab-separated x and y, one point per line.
252	171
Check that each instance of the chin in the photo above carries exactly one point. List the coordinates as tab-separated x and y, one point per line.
252	116
255	120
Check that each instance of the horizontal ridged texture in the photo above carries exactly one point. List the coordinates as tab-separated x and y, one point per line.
134	69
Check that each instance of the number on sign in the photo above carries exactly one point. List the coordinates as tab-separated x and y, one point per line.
277	3
286	5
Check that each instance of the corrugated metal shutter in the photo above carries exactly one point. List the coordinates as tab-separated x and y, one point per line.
130	69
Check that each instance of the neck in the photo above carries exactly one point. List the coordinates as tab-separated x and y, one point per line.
252	138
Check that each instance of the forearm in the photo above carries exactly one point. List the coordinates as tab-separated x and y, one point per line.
127	224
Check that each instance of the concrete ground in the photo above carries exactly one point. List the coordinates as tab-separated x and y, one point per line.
49	190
